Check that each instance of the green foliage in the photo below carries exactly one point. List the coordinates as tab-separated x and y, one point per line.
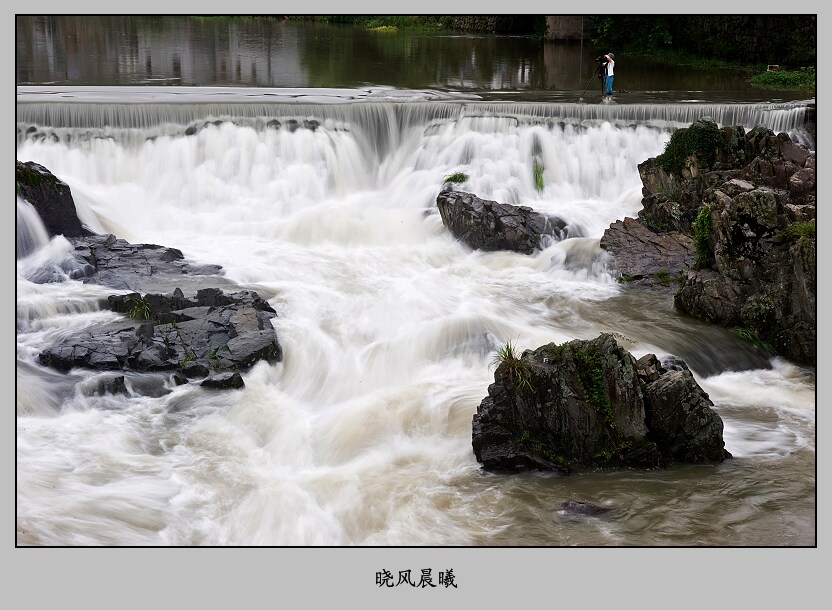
784	39
591	376
537	170
455	178
653	32
786	80
662	276
753	337
517	369
625	277
139	309
796	230
702	236
190	356
701	139
416	23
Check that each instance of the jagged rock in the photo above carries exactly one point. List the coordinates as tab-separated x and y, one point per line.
748	207
586	404
226	381
647	258
214	331
488	225
51	198
193	337
143	267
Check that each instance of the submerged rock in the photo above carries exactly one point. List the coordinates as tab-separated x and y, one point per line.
488	225
588	404
573	507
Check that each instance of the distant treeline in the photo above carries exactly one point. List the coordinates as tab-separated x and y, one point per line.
790	40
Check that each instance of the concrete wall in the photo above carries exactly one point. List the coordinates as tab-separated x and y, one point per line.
560	27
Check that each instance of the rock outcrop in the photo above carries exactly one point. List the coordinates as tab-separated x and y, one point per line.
213	333
488	225
729	219
590	404
212	336
51	198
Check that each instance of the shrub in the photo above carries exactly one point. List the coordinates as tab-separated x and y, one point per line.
702	139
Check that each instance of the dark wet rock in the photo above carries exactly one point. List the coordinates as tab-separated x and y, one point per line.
574	507
647	258
591	404
114	385
51	198
225	381
143	267
488	225
232	334
162	330
748	207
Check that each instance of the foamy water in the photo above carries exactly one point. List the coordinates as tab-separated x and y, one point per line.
362	435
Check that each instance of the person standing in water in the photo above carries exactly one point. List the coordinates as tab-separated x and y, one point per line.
609	69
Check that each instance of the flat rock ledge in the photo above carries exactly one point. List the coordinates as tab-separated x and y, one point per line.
488	225
206	337
591	404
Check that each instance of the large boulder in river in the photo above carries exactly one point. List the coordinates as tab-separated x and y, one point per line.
489	225
586	404
50	197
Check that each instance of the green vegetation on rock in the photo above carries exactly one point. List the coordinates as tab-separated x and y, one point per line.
702	138
139	309
455	178
702	236
517	369
796	230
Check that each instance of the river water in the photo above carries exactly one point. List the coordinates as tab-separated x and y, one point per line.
362	435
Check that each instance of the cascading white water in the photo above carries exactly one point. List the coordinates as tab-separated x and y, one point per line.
362	435
30	233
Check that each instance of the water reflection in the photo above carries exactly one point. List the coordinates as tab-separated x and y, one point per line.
270	52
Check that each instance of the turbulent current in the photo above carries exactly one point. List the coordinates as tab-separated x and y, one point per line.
389	326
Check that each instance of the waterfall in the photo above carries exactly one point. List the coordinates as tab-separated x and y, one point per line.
30	233
362	434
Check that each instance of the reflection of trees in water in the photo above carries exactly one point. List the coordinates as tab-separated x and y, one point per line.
343	55
86	50
268	52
